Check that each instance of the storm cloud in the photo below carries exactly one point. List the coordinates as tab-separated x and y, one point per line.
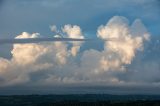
56	63
103	46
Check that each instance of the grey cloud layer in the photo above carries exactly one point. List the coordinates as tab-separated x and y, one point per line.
36	15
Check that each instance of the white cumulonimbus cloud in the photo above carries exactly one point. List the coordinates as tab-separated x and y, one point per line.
125	42
28	58
57	61
74	32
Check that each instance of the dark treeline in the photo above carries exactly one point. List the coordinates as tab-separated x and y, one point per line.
80	100
103	103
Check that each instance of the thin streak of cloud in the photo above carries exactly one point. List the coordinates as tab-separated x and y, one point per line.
36	40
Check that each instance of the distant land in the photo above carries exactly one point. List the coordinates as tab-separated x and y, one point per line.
80	100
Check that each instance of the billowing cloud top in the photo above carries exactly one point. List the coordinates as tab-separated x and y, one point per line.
61	63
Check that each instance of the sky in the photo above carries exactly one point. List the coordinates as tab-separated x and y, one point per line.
130	64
